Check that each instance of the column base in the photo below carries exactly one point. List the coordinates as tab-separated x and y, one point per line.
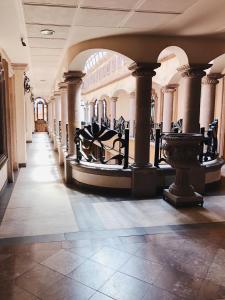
179	201
54	142
144	181
62	151
68	169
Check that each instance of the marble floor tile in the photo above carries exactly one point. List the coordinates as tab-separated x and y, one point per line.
92	274
142	269
124	287
111	258
63	261
67	289
38	280
14	266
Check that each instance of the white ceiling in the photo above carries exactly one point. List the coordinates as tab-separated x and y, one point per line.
76	20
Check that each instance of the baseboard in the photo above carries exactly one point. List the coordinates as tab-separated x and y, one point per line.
22	165
28	142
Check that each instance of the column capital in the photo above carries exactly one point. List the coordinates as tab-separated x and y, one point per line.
62	86
113	99
74	77
212	78
57	93
170	88
132	95
143	69
20	67
193	70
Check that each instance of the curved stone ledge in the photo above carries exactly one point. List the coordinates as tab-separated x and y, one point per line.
101	176
116	178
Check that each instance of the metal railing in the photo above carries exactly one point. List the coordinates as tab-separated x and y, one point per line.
91	145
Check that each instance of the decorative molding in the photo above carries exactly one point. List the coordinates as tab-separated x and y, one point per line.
19	67
74	77
143	69
212	78
171	88
193	70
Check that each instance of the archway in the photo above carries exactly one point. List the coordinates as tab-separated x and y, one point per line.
40	114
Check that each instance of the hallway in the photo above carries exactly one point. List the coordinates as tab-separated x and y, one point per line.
41	205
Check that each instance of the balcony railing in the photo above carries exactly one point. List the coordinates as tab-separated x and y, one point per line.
92	142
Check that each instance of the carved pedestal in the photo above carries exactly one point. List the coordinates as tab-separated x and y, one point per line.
181	152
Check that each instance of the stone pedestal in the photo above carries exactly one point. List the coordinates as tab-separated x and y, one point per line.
181	152
144	182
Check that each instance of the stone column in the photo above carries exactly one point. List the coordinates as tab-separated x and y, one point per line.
57	95
91	111
86	108
63	94
100	111
142	173
192	75
168	92
29	118
19	70
208	99
113	101
73	80
132	106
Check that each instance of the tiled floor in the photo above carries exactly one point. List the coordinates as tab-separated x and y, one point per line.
187	264
63	244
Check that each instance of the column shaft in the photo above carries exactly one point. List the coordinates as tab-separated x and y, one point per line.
63	91
19	70
74	80
143	74
113	101
168	92
192	76
208	99
132	114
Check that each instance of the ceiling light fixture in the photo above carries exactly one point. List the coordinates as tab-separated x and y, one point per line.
47	31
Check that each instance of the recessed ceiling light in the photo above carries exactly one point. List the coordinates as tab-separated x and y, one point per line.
47	31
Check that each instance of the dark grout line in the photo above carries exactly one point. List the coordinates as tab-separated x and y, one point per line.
107	234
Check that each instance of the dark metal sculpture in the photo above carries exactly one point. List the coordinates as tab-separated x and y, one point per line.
121	124
27	87
91	146
177	126
210	143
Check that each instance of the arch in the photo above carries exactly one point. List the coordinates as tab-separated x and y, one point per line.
218	65
174	50
119	92
134	47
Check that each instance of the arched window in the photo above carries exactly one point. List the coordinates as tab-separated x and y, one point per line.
40	109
